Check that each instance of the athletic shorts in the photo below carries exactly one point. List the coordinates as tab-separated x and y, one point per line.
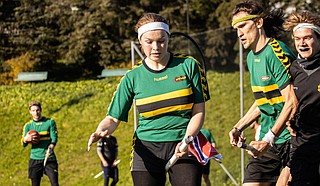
36	169
265	169
206	168
149	160
305	159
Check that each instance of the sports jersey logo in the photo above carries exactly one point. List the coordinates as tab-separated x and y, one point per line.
265	78
180	78
257	60
161	78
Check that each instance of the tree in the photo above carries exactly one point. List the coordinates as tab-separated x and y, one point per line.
99	34
7	28
37	32
296	5
86	36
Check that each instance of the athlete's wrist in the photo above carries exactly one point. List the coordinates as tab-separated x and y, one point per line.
269	137
237	129
24	140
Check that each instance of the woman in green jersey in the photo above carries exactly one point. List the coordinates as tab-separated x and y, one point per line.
170	91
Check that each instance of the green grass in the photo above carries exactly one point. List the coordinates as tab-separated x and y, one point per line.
78	107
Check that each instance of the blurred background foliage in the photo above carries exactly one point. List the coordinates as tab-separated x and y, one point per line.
83	37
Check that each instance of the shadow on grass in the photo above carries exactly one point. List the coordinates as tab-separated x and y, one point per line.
73	101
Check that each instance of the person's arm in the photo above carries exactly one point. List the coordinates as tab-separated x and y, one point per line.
27	138
286	113
107	126
195	124
53	134
116	153
116	150
24	138
197	119
99	152
252	114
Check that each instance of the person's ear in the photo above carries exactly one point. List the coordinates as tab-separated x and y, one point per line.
259	22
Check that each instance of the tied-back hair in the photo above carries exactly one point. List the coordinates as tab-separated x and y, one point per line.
272	18
148	18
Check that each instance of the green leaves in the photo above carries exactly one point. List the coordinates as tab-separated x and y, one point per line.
91	35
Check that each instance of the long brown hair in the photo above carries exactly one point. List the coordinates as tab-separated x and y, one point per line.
272	19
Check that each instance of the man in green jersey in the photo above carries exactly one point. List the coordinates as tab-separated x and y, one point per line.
268	62
42	157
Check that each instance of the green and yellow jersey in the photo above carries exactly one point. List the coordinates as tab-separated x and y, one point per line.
163	98
47	129
269	74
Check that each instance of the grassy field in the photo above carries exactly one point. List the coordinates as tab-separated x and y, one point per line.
77	108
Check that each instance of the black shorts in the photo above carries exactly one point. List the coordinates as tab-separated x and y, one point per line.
265	169
206	168
36	169
305	159
149	160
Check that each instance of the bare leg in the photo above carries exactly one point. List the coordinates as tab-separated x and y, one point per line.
284	177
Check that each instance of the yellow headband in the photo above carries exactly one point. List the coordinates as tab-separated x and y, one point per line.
245	18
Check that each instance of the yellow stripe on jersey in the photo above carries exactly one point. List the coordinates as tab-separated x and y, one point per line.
166	96
167	109
43	133
271	101
265	88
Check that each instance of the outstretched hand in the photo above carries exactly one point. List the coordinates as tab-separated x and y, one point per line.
94	137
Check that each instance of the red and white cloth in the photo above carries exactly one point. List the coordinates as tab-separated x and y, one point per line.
202	149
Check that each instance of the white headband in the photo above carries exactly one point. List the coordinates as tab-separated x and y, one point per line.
307	25
153	26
